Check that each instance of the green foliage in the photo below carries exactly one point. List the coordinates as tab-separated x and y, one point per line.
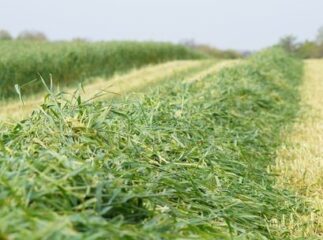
310	49
319	36
185	161
288	43
306	49
5	35
212	51
23	61
32	36
217	53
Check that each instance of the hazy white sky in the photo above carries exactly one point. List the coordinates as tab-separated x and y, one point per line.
240	24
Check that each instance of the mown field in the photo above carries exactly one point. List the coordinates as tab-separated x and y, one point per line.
299	160
189	158
23	62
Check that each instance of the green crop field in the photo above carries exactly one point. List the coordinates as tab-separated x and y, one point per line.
161	120
23	62
188	158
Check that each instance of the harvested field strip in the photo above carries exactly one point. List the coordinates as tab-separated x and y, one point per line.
300	160
119	84
182	161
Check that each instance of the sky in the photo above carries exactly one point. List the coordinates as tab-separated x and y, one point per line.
236	24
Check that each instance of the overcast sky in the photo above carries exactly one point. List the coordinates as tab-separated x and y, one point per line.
239	24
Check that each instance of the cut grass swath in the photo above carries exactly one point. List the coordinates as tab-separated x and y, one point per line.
186	161
137	80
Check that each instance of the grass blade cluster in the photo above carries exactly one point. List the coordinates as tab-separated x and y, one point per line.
185	161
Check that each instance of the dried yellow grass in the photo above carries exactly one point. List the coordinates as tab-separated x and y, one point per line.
300	159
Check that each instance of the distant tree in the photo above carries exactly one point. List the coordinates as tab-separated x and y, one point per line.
211	51
308	49
79	39
189	43
246	53
5	35
32	36
289	43
231	54
319	36
319	53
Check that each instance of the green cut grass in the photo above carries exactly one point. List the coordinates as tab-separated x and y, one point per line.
23	62
184	161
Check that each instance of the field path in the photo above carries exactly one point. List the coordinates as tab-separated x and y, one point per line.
136	80
300	160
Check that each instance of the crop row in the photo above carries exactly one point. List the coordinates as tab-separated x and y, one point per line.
187	160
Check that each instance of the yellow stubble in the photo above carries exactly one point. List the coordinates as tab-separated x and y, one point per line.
300	159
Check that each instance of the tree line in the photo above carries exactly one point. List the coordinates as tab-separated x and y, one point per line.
25	35
306	49
213	51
